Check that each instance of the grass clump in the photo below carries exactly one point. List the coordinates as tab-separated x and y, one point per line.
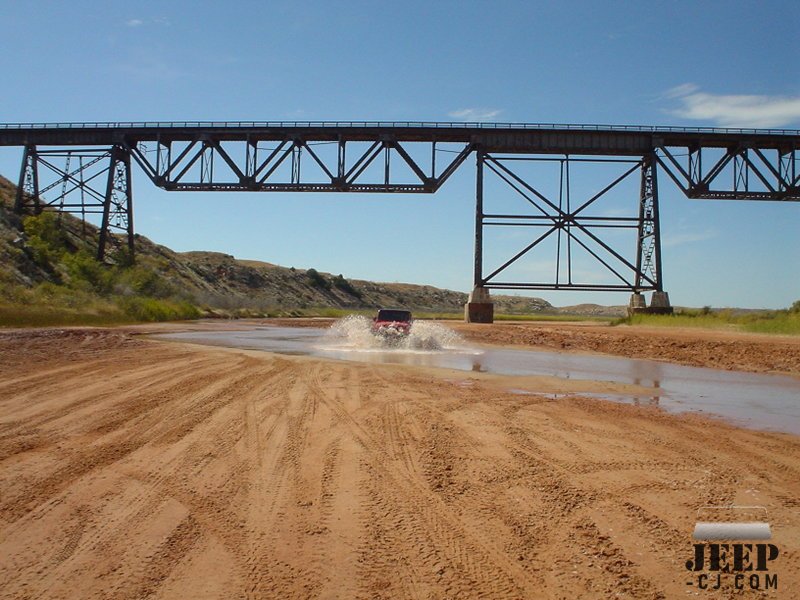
152	309
44	316
780	322
83	290
549	317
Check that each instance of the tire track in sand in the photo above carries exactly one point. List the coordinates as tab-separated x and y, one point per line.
456	557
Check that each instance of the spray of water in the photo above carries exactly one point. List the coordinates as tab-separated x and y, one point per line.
353	333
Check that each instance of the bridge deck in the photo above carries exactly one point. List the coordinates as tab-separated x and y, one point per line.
492	137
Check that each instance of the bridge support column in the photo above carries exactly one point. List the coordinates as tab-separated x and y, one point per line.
71	180
637	304
118	202
648	251
479	307
659	304
28	188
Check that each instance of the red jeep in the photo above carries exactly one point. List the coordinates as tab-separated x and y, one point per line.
392	323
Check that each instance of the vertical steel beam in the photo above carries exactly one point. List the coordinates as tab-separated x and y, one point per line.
341	161
387	149
648	246
642	232
478	278
126	158
251	163
297	155
207	164
19	201
695	167
101	243
64	181
28	188
82	183
652	165
34	181
569	218
118	185
786	169
741	172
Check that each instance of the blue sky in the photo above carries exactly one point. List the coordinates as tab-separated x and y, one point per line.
653	63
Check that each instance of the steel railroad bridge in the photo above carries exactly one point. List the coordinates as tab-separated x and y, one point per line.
85	168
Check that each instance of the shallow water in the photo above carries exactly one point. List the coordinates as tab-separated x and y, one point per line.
752	400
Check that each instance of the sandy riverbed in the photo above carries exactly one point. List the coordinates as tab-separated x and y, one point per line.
131	468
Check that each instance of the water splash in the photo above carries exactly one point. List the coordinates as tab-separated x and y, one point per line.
353	333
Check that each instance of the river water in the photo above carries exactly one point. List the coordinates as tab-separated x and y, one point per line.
770	402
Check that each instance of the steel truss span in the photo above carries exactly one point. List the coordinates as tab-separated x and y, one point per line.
85	168
566	218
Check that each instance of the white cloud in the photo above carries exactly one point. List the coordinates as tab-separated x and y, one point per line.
680	90
474	114
688	237
735	110
616	212
150	69
163	21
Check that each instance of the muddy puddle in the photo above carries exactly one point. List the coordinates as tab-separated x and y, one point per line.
770	402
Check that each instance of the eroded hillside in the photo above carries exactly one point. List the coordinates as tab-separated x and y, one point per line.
50	261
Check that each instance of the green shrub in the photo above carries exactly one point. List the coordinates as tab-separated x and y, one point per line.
784	322
318	280
46	241
45	227
152	309
340	282
145	282
122	256
87	272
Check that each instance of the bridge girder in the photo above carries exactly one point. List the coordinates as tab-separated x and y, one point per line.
283	165
705	163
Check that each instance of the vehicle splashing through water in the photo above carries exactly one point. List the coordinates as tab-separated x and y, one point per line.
355	333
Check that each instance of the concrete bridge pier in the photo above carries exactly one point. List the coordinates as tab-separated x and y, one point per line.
659	304
479	307
637	303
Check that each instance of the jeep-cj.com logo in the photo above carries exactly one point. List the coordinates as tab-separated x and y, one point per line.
741	563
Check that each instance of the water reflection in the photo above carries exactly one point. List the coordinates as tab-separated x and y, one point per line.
652	400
